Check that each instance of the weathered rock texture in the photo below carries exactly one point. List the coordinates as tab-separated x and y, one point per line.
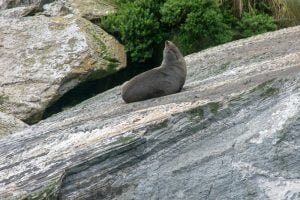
9	124
43	58
18	12
7	4
89	9
232	133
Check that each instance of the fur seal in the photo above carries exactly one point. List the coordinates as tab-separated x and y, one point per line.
166	79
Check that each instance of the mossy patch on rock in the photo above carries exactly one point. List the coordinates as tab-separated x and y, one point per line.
159	125
2	101
200	112
214	107
196	113
269	92
106	47
124	140
50	191
266	89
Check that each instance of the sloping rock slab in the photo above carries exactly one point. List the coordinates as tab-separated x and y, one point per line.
232	133
42	58
9	125
89	9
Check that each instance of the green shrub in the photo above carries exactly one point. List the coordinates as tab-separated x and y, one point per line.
143	25
196	24
137	26
253	23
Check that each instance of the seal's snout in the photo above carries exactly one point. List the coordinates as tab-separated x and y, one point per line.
167	43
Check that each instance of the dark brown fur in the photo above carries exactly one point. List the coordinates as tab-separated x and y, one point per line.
167	79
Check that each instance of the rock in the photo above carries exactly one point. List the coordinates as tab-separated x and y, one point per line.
56	8
6	4
18	12
232	133
9	125
42	58
90	9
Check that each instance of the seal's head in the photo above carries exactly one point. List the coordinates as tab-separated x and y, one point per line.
171	53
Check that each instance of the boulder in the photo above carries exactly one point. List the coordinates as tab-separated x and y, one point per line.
232	133
89	9
42	58
7	4
10	125
17	12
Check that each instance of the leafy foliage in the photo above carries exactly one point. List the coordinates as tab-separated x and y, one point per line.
255	23
197	24
138	28
142	25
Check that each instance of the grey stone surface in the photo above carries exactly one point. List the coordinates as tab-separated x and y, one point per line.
232	133
17	12
7	4
42	58
89	9
10	125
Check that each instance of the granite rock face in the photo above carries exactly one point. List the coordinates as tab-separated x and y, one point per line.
232	133
7	4
17	12
10	125
42	58
89	9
